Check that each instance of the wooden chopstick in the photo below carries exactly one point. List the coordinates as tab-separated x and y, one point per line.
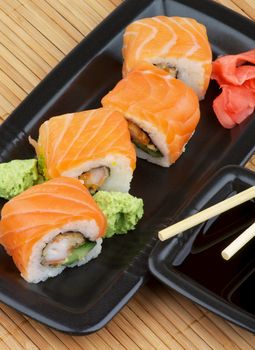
247	6
239	242
206	214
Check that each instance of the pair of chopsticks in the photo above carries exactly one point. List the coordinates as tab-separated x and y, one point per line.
210	212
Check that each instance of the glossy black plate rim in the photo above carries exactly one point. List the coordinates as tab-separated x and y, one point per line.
63	72
188	287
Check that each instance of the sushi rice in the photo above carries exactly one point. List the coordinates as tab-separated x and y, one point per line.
178	45
191	72
93	146
36	272
52	226
158	138
162	112
119	167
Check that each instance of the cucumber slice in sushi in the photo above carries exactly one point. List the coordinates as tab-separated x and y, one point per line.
79	253
146	149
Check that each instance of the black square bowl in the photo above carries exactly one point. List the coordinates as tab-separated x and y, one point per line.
191	263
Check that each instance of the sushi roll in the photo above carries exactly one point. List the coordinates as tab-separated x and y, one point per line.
51	226
93	146
162	112
176	44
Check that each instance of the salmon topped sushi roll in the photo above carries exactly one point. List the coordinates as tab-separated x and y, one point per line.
162	112
51	226
176	44
93	146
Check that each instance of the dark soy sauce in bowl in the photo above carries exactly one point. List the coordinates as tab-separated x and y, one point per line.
233	280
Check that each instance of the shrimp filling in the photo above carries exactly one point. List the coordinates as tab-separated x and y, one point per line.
66	249
142	140
95	178
169	69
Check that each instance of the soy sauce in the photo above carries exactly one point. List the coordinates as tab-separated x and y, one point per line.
233	280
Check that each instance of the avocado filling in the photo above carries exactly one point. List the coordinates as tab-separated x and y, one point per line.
169	69
95	178
79	253
153	151
142	140
65	249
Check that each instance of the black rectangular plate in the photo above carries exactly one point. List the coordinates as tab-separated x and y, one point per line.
192	264
83	300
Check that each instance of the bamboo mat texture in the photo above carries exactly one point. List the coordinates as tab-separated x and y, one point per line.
35	36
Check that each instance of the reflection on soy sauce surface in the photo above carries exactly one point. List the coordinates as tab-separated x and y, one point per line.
233	280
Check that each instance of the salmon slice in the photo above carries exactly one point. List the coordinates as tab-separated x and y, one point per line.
72	144
164	108
28	217
170	42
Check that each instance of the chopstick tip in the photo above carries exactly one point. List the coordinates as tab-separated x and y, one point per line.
225	255
161	236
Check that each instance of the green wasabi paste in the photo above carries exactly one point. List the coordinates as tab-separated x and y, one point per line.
42	167
122	211
18	175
